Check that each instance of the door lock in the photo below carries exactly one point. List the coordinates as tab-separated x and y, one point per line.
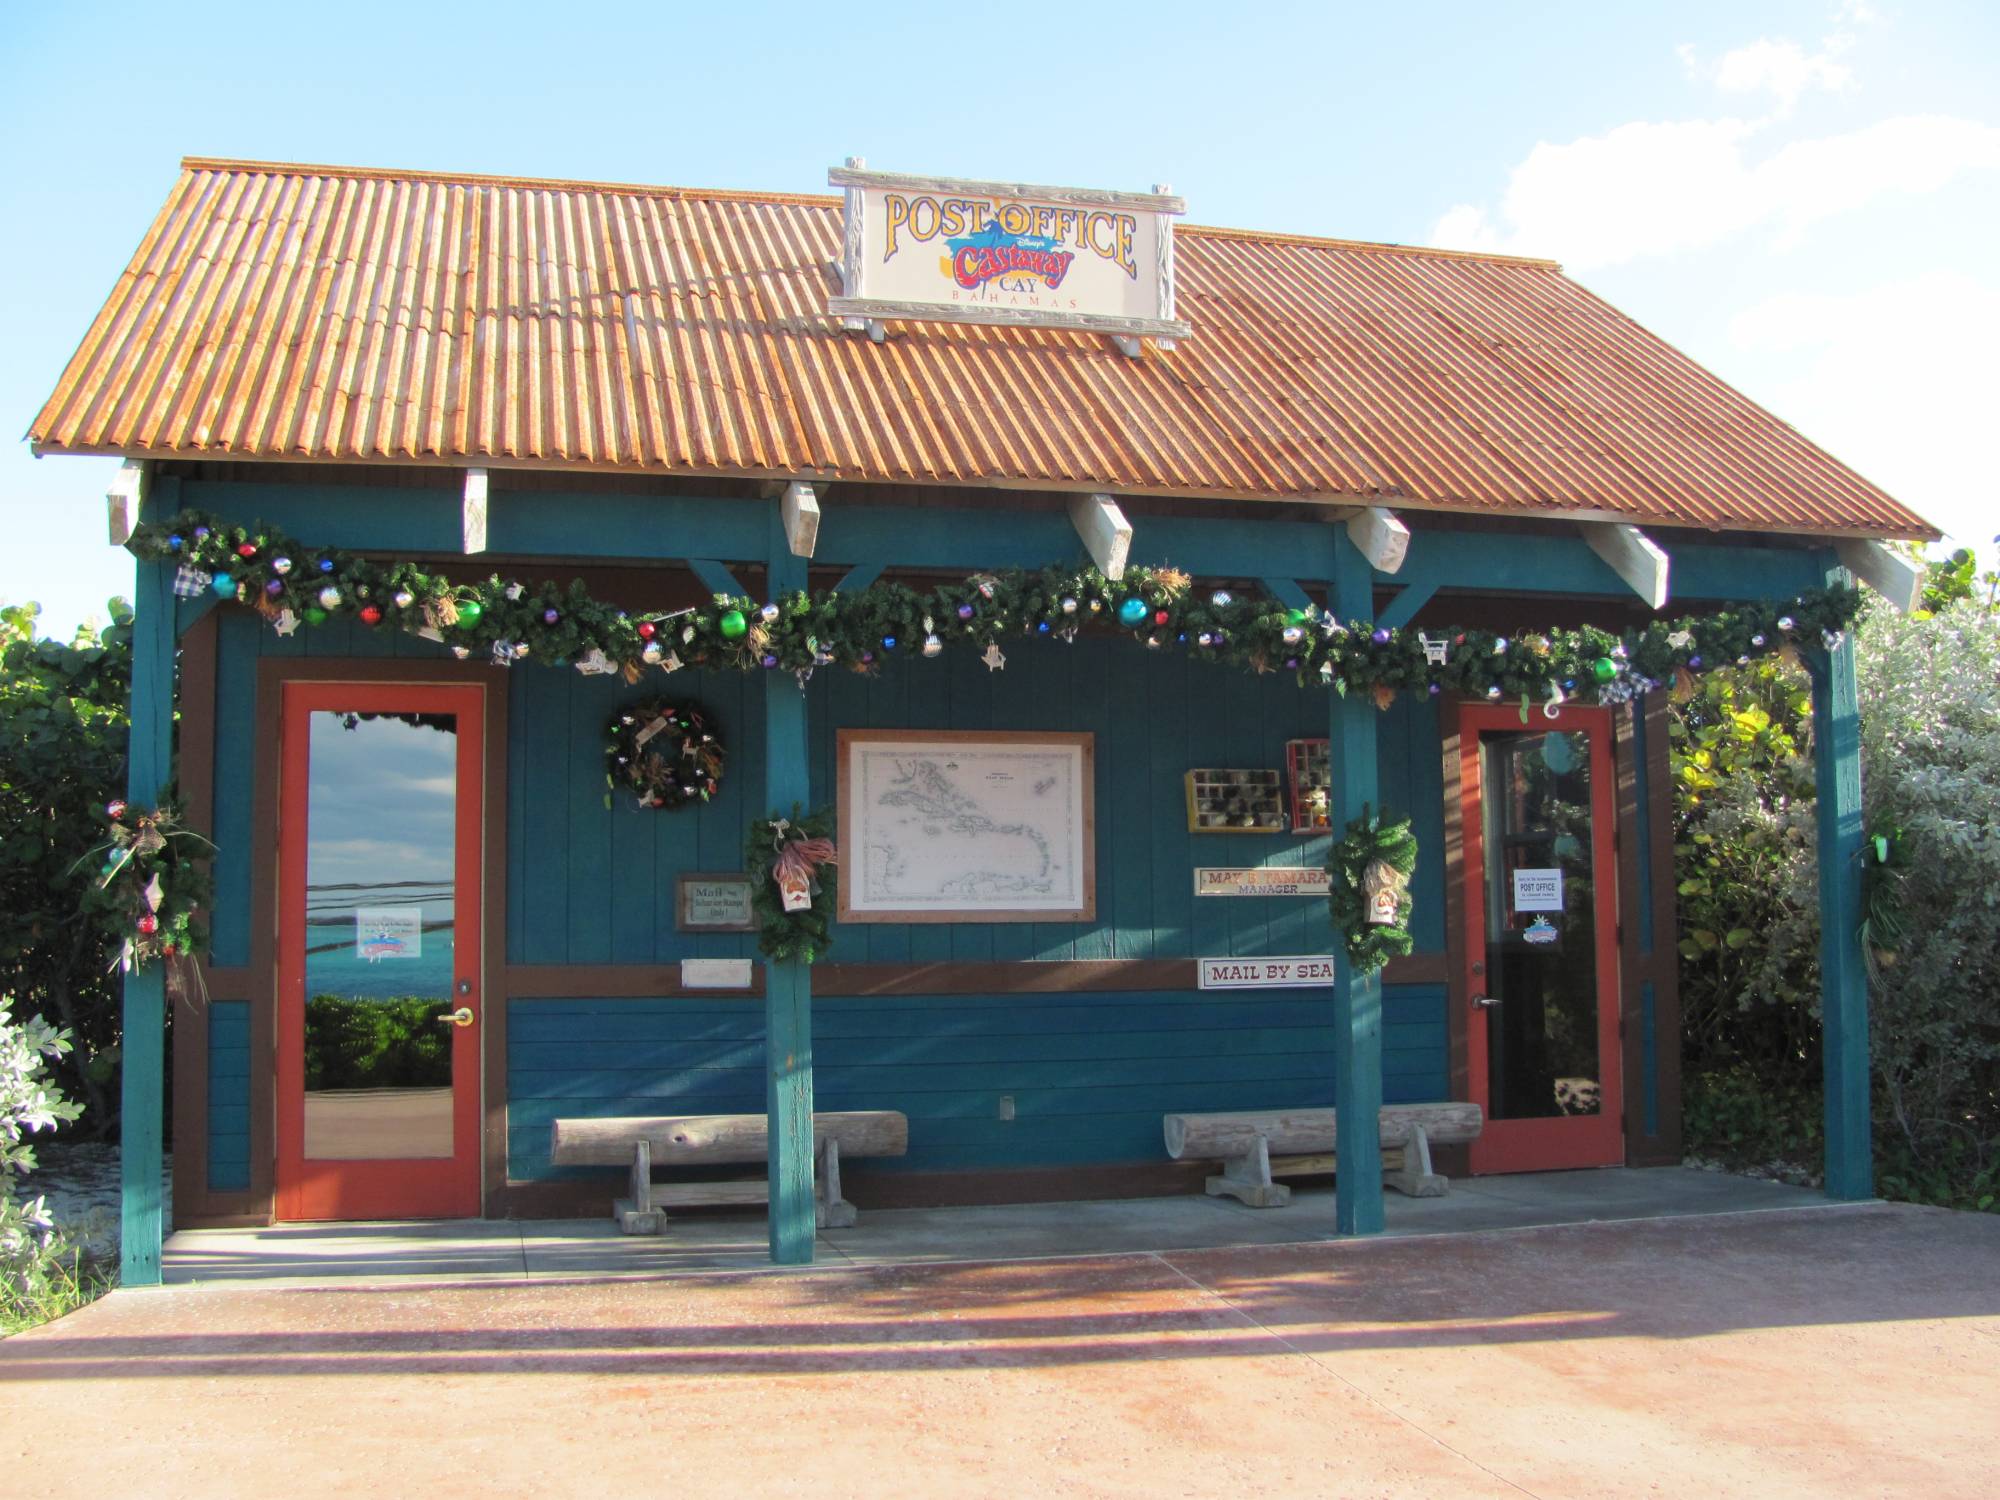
463	1016
1484	1002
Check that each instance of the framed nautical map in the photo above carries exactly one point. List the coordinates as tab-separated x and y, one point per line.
966	826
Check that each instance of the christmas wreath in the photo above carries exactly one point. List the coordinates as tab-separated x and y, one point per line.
1369	895
791	864
149	889
667	750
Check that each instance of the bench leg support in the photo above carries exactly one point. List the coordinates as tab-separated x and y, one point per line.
1413	1176
636	1214
830	1210
1247	1178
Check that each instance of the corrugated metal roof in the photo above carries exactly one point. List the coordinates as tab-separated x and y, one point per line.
332	314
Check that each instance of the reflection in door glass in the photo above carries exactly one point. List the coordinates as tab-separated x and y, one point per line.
379	847
1541	948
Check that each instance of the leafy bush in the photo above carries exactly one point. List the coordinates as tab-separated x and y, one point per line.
354	1044
36	1267
1747	867
63	727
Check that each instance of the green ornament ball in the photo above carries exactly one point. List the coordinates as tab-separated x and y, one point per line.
1604	669
1297	617
315	615
733	624
469	611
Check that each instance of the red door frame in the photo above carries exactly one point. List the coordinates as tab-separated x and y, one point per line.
438	1188
1569	1140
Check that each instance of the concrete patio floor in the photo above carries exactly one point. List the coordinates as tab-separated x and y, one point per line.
710	1241
1820	1352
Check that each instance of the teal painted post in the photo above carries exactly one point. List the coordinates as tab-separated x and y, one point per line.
143	1045
1357	998
788	1090
1850	1169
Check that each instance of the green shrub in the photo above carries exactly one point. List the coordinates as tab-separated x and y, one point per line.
352	1044
41	1277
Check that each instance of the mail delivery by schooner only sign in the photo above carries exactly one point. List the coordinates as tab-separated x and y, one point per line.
946	250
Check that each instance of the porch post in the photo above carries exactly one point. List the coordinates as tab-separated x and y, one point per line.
788	1091
1357	998
143	1040
1850	1164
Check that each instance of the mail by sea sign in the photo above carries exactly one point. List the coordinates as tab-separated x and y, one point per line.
949	250
1311	971
1308	880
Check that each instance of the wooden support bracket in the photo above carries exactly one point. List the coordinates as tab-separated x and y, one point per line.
1104	530
1895	577
799	510
474	515
1383	539
1634	557
126	494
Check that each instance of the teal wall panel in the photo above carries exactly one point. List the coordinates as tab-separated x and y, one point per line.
1090	1074
228	1095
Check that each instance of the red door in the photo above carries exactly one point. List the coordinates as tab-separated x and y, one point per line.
379	880
1541	941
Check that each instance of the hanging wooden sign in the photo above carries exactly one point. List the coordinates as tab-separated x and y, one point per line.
944	249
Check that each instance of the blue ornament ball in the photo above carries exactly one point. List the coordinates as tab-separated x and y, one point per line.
888	643
224	586
326	565
1132	613
1041	627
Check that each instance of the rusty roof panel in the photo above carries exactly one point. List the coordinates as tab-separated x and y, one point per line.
330	314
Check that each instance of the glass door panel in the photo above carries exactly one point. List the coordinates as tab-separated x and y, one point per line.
1541	940
378	951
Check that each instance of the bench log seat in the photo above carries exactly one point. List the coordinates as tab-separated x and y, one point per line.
641	1144
1255	1146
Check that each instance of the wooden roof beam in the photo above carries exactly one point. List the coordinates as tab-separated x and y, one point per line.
1383	539
1896	578
126	494
1634	557
473	514
1104	530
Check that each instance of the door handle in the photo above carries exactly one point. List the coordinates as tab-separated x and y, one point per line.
463	1016
1484	1002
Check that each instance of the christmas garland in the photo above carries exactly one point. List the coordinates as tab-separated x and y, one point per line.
1372	864
778	851
667	750
149	888
800	632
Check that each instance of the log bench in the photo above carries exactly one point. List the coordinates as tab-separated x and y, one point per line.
710	1140
1254	1147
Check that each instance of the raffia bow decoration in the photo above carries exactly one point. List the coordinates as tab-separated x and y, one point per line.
794	895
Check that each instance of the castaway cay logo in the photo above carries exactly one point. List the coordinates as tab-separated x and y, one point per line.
1008	246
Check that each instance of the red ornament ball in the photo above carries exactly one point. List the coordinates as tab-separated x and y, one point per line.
149	924
245	549
647	630
1160	617
115	808
370	615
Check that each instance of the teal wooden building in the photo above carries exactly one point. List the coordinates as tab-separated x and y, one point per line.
1366	499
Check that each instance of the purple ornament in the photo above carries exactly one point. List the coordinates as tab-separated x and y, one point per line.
965	611
1380	636
866	657
1291	664
1695	662
274	588
1434	690
550	616
770	660
201	533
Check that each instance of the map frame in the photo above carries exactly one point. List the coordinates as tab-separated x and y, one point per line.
1080	749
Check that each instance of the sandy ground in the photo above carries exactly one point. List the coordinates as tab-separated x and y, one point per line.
1850	1351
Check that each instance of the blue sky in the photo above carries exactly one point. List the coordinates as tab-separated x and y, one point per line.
1803	196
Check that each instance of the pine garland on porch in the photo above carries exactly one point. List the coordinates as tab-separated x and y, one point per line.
1370	869
291	583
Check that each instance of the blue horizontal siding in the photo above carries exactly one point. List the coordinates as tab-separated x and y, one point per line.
1090	1074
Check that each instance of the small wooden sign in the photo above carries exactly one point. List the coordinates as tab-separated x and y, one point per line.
716	973
1262	880
713	903
1305	971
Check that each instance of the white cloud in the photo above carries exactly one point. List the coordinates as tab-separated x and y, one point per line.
1651	189
1776	66
1898	381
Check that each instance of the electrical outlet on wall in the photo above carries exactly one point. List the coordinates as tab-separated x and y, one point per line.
1006	1106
